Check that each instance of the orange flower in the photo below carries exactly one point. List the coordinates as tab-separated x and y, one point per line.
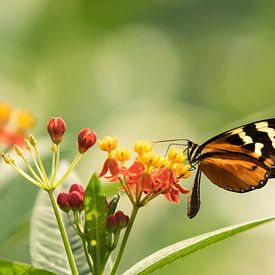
150	174
110	165
13	131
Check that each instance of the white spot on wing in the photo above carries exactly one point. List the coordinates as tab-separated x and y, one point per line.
236	131
263	127
245	138
258	148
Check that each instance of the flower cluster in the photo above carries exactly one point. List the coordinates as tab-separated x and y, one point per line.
37	175
149	175
73	200
14	125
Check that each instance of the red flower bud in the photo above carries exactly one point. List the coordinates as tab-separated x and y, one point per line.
78	188
62	201
56	129
122	219
86	139
76	201
112	223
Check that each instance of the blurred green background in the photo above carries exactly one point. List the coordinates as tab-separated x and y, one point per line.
151	70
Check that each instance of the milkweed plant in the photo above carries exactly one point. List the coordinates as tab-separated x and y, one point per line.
102	227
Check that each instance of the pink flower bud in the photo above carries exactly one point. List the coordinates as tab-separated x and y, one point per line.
112	223
56	129
62	201
76	201
78	188
86	139
122	219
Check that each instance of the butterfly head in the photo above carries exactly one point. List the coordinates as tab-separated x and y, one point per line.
192	152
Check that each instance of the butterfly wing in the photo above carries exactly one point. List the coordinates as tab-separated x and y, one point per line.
235	172
231	171
238	160
255	139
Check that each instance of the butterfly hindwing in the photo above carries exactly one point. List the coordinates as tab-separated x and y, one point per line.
235	172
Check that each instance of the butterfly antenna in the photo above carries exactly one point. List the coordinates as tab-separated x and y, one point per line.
189	142
176	144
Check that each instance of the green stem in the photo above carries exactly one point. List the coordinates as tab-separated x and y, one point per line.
88	258
63	233
36	164
26	176
31	170
73	164
55	164
125	238
40	163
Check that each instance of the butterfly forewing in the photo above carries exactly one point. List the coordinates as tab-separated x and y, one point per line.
256	139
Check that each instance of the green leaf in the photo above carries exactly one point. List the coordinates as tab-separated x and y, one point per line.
96	212
181	249
20	268
46	246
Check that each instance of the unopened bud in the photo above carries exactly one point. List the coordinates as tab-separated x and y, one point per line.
18	150
32	140
113	203
76	201
86	139
122	219
27	144
112	223
77	188
62	201
56	129
7	158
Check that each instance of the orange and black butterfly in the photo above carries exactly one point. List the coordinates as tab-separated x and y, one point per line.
239	160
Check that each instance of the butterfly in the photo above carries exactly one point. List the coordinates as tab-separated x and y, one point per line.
239	160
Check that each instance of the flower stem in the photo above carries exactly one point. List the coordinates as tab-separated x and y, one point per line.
73	164
63	233
41	166
55	164
125	238
88	258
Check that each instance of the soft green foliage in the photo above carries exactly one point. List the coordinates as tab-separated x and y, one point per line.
9	268
181	249
96	212
47	249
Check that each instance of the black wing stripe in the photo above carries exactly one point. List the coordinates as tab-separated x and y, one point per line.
235	140
260	137
249	127
249	147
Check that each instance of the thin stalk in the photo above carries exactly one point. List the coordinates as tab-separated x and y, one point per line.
36	164
31	170
125	238
127	190
72	224
40	163
55	164
26	176
63	234
87	255
73	164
